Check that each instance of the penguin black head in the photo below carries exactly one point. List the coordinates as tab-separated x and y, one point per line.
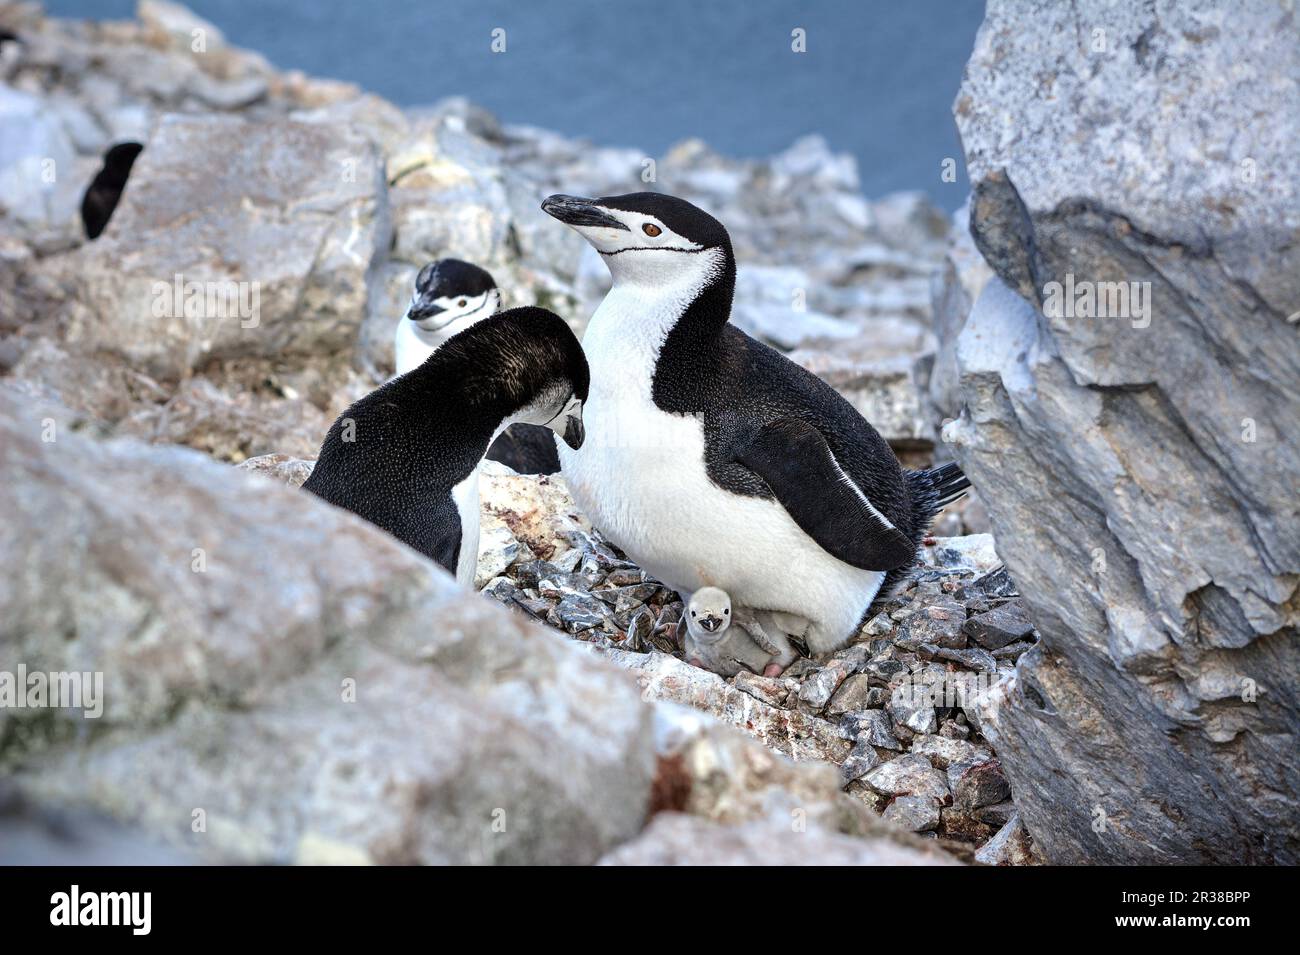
523	364
646	236
105	189
451	291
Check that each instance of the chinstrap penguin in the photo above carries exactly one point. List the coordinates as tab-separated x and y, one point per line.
451	295
714	460
406	456
726	639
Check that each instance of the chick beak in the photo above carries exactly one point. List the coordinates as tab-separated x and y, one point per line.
710	622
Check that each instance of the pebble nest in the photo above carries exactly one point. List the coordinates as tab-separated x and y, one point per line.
892	709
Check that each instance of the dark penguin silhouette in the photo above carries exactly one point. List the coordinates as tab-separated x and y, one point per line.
450	296
714	460
406	457
106	189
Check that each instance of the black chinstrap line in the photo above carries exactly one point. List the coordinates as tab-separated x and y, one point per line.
652	248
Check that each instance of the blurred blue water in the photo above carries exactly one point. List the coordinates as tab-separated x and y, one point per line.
878	78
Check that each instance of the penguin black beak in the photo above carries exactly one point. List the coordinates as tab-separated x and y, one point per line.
422	310
568	423
574	432
710	622
575	211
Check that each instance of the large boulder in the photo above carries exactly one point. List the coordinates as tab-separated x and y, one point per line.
283	682
40	185
277	261
1139	468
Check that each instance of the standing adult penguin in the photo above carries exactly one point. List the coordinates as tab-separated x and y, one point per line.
406	456
451	295
712	459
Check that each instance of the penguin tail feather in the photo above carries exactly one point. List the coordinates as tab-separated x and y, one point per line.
938	488
932	491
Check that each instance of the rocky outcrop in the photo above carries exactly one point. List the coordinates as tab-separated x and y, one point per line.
264	697
277	264
269	699
1133	441
954	288
686	840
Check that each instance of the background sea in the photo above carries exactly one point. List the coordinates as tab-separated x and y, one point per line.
878	78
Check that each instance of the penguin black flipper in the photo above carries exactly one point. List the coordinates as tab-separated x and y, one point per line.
795	461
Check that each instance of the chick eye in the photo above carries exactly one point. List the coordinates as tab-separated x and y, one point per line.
694	614
651	229
727	612
461	303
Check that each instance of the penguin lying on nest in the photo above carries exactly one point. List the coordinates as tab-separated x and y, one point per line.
406	456
714	460
450	296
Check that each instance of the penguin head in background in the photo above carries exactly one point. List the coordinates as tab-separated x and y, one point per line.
708	614
521	365
449	293
646	237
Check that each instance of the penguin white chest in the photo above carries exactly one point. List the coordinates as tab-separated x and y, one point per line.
640	477
411	347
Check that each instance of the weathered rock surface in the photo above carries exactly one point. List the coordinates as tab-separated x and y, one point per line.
995	628
280	467
953	290
913	813
1009	846
789	732
1139	469
674	839
910	775
39	835
313	701
278	263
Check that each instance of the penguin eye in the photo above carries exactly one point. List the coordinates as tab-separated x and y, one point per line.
694	614
461	303
651	229
727	612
